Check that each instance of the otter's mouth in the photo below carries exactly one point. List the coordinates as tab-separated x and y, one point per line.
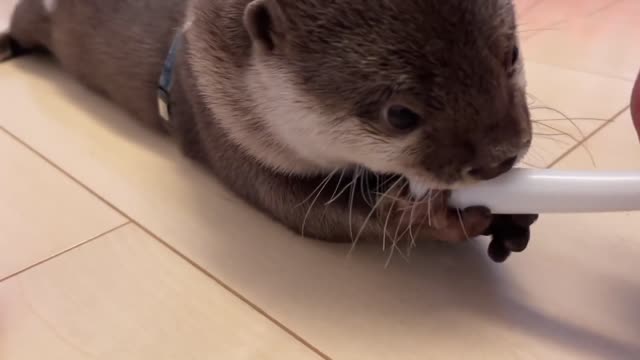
404	188
373	185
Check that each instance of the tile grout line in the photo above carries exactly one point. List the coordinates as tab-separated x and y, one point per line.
248	302
581	71
565	21
588	137
175	251
64	252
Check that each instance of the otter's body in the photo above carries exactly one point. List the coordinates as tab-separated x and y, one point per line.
115	47
247	103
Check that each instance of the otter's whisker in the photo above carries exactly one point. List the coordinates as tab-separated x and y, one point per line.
364	181
411	235
409	230
396	236
393	250
306	217
386	222
549	134
422	222
464	229
390	197
402	236
385	232
579	142
532	99
335	191
410	244
535	154
320	186
386	182
563	115
377	186
553	128
367	189
430	197
363	186
367	219
352	196
348	186
578	118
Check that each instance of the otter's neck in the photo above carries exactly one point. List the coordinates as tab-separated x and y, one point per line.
220	58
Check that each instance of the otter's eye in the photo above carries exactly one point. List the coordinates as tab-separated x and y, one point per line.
402	118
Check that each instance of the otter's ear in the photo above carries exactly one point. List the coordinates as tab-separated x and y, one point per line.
264	21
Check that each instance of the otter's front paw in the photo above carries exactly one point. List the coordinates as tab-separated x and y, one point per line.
436	220
510	233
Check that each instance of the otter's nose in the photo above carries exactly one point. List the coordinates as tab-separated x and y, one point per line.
490	171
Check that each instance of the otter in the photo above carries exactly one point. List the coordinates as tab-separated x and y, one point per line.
342	120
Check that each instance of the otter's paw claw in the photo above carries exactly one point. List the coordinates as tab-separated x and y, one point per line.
510	233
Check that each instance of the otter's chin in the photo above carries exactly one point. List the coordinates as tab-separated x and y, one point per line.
420	187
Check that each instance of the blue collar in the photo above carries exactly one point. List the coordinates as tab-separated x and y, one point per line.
166	80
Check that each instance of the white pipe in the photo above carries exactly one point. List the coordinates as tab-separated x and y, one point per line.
527	191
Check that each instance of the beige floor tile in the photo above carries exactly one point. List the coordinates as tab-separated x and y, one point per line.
599	36
616	147
564	299
125	296
42	211
551	13
607	246
523	7
558	94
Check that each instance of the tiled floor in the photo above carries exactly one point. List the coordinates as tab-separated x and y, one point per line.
113	246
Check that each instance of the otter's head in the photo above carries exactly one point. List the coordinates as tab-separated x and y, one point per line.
430	90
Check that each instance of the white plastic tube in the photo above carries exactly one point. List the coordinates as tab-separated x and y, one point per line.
526	191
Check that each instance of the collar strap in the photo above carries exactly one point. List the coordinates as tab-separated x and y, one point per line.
166	80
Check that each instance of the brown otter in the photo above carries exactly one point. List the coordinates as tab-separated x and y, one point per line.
344	120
